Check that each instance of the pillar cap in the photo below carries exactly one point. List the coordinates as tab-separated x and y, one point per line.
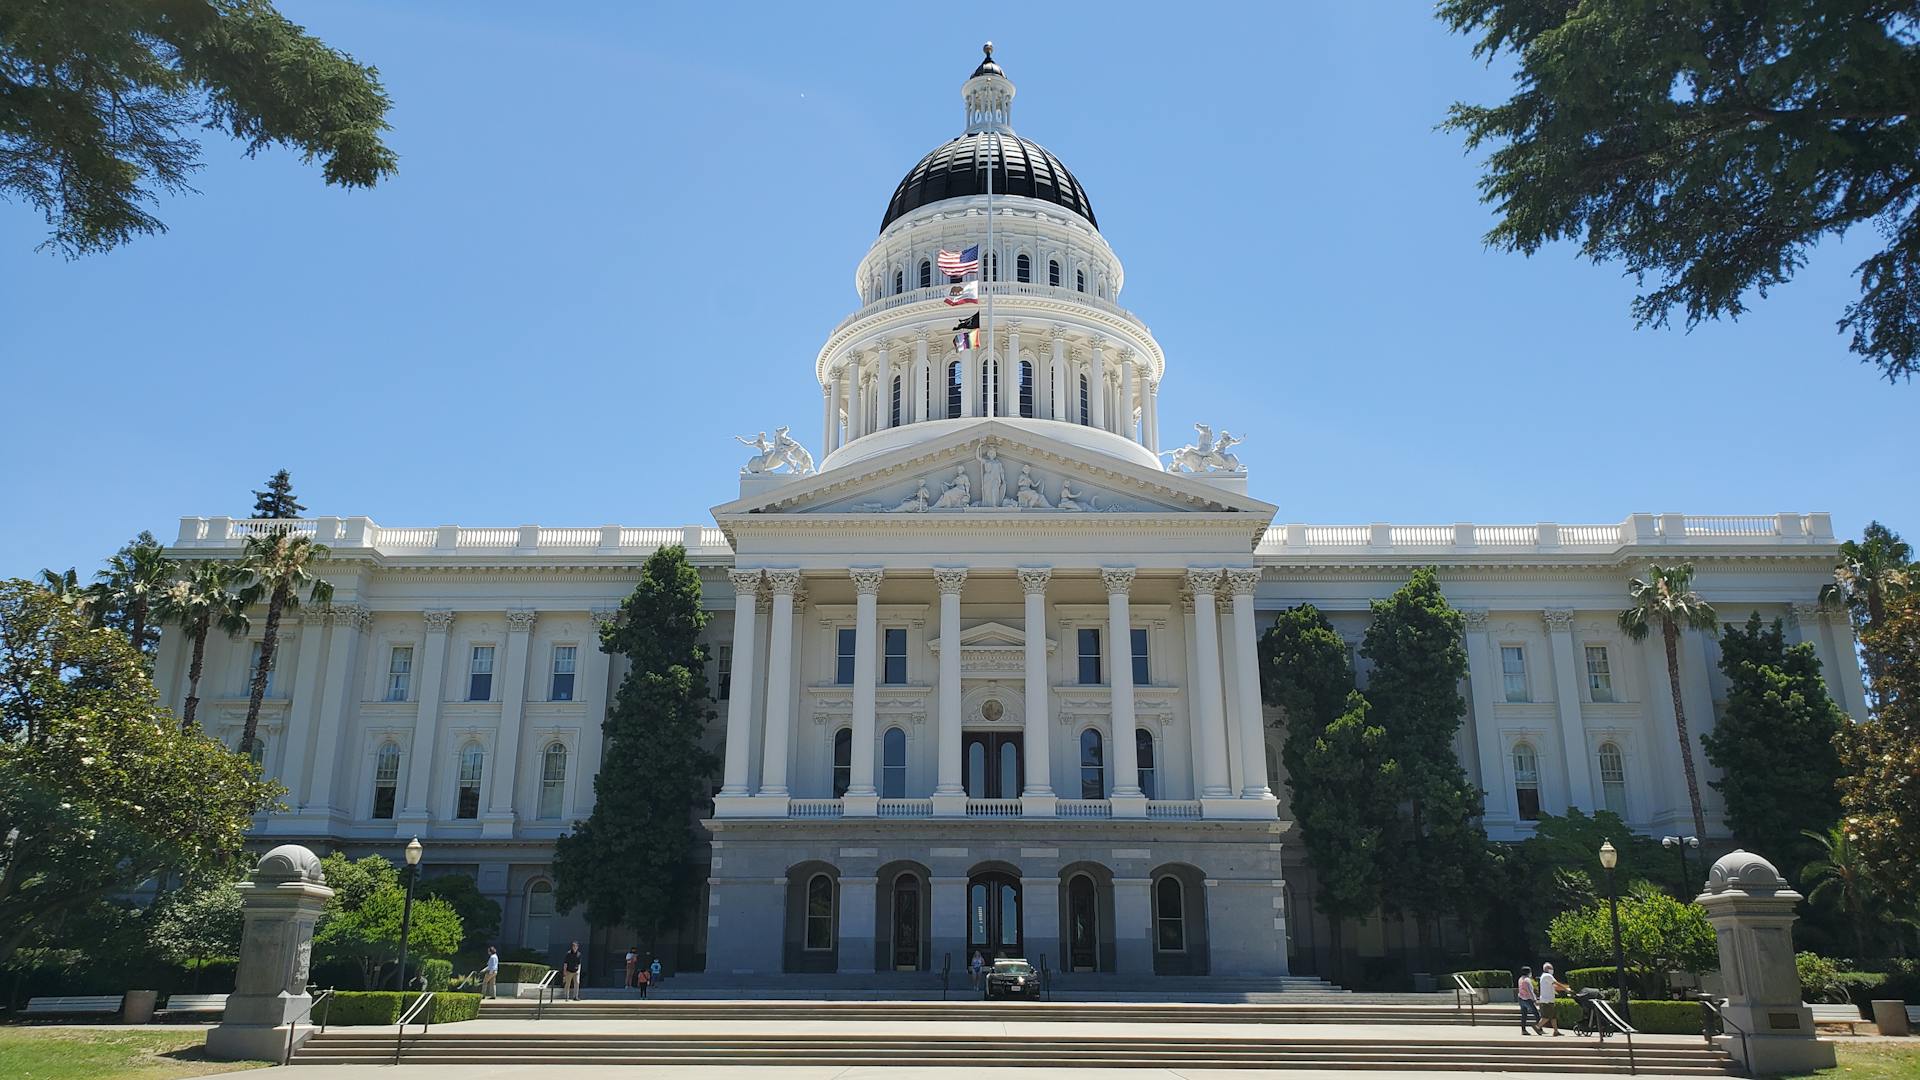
1745	871
290	862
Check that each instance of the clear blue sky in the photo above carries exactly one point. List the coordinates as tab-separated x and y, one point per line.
620	233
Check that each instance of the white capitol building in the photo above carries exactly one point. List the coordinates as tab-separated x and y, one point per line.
987	677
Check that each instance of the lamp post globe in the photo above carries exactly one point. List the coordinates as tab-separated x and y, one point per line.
1610	858
414	851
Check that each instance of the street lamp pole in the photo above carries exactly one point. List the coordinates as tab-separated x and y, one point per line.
406	912
1609	858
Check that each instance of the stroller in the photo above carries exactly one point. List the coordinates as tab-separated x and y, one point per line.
1591	1022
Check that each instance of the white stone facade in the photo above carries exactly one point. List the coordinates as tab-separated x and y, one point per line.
921	651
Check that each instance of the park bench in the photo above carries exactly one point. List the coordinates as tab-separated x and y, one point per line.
104	1004
196	1003
1846	1016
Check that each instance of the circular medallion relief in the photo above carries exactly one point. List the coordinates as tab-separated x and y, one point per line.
992	710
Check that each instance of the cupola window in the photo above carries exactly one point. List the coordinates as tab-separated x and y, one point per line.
1023	268
1053	272
926	274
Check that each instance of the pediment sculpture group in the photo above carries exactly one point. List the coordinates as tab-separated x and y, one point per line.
958	493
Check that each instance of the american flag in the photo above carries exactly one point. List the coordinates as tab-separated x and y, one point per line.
957	263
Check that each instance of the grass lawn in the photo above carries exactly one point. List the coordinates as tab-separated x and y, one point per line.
1873	1059
59	1053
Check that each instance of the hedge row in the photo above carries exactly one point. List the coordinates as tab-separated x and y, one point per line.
349	1008
1643	984
437	973
1649	1017
523	973
1489	979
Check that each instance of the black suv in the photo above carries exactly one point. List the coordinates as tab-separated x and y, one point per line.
1012	977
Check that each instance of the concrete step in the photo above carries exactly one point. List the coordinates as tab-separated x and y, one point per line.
1292	1012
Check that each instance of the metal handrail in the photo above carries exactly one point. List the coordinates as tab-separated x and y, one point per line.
1716	1007
542	992
1604	1008
1046	978
1460	985
294	1024
946	970
419	1004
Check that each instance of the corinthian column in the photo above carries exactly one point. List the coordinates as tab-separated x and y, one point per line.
1128	387
1097	391
1128	800
779	722
1038	798
1010	372
1209	724
1253	727
948	795
746	607
862	796
1057	397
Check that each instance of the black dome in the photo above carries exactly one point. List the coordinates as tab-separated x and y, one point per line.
1020	167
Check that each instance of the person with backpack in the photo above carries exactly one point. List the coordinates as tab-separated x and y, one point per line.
1529	1006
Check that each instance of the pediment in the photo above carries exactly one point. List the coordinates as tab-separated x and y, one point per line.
990	635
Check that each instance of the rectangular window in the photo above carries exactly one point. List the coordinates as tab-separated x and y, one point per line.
480	674
399	672
386	779
467	802
1513	672
1089	656
1599	674
843	657
563	660
1142	671
896	665
723	673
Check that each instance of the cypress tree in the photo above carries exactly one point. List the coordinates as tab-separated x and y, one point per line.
1775	743
277	501
629	861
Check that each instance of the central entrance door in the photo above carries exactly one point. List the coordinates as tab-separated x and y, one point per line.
1083	925
990	766
906	923
993	916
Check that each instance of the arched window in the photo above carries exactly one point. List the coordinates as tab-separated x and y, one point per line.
1026	388
989	384
1053	272
553	780
842	761
1080	280
819	913
1143	755
899	282
926	274
386	780
1169	915
1613	778
953	390
1093	765
1086	401
538	933
1526	781
893	764
1022	267
257	752
473	762
894	408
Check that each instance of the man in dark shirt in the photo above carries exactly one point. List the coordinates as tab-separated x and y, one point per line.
570	973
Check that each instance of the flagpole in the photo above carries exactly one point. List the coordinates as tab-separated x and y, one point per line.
990	268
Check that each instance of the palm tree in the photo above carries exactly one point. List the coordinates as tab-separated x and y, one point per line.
1665	598
1875	569
132	583
1845	870
66	586
207	597
277	564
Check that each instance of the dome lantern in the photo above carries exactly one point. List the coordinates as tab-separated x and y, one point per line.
989	97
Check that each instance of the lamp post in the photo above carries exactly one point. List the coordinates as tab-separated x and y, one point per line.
406	913
1680	844
1609	858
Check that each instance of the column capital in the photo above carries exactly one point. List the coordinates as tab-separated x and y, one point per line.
1558	620
744	582
438	621
1203	579
763	603
1241	580
950	579
866	579
521	620
357	616
783	581
1186	602
1055	333
1476	620
1098	343
1033	579
1117	579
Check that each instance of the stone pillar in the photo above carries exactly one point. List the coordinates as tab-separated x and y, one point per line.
949	797
1038	799
920	391
1566	697
1040	916
746	607
950	925
1253	722
779	722
1483	673
857	900
429	683
830	420
856	397
1057	402
596	669
281	903
1010	372
1128	388
1848	674
1209	722
1127	799
1097	390
862	798
513	700
1150	420
883	390
1133	925
969	381
350	623
304	710
1751	908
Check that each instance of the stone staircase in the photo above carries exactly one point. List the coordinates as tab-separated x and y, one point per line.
926	986
1344	1009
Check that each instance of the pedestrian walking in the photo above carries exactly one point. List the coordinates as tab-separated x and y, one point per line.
633	967
490	975
976	967
1529	1006
653	970
646	980
1550	988
570	973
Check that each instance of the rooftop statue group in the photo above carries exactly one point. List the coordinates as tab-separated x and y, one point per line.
784	451
1205	454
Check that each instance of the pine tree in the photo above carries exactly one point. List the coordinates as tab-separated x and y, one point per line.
1419	660
1774	742
629	861
277	501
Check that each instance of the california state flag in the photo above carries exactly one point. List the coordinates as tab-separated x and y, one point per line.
963	292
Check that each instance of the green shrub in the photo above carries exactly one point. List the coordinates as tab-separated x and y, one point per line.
1649	1017
360	1007
437	972
1819	976
523	973
1645	984
1489	978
